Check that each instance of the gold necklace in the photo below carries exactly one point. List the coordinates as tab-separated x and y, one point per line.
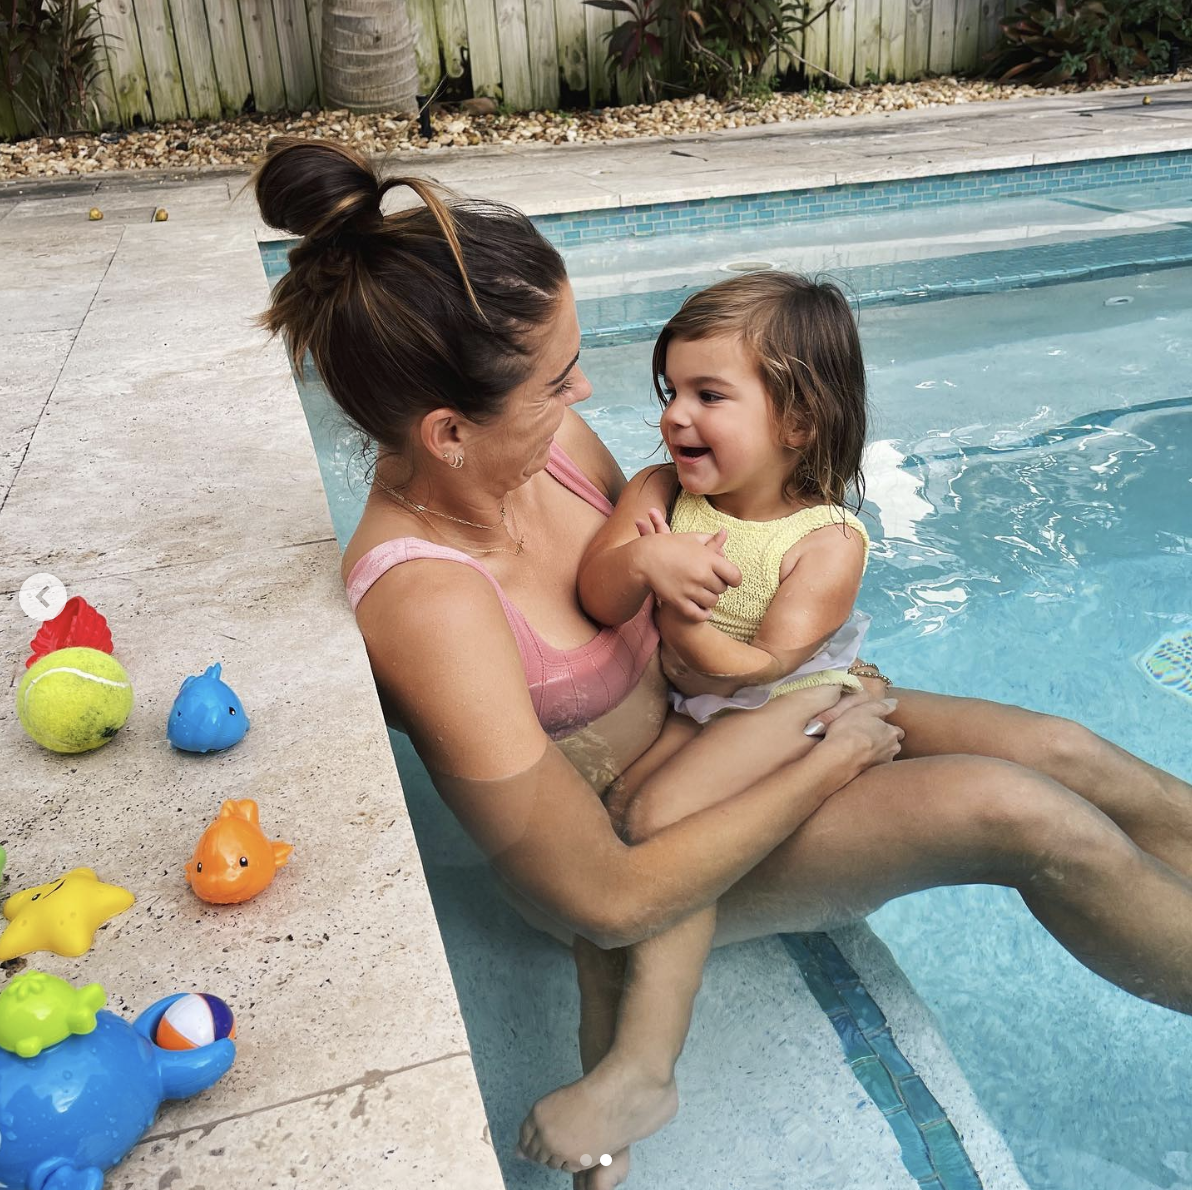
422	508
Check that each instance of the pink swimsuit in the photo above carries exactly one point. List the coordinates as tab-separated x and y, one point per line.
570	688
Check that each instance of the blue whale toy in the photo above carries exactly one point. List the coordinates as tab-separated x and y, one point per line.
76	1107
206	715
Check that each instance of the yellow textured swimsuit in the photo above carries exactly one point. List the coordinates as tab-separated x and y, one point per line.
757	549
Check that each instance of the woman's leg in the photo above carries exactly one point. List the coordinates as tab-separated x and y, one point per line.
917	824
1151	806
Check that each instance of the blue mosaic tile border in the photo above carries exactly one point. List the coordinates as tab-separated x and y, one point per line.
826	202
632	317
568	230
931	1147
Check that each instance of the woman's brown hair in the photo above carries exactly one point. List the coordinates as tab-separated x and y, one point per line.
432	306
804	340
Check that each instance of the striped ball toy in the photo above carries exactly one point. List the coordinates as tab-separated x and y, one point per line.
196	1019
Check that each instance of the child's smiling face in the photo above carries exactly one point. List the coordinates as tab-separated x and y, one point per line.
719	423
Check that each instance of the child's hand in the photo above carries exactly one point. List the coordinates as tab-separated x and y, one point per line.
686	571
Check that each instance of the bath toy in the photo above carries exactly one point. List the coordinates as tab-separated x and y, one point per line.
234	860
61	916
38	1010
195	1020
74	700
206	715
77	625
160	215
94	214
74	1109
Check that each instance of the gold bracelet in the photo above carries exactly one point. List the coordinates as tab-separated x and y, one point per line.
866	669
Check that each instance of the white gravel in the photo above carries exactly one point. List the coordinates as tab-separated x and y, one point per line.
208	144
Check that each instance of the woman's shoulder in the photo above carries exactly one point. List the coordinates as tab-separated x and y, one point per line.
582	444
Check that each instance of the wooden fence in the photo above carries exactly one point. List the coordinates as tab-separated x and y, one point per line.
168	59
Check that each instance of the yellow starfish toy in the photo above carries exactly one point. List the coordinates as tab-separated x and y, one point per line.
61	916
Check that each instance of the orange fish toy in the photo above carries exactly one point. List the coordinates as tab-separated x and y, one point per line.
234	860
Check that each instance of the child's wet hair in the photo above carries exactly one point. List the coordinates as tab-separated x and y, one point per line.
803	337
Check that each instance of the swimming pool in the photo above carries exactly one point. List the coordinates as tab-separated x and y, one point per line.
1032	522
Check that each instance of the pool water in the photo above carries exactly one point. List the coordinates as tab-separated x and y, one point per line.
1030	502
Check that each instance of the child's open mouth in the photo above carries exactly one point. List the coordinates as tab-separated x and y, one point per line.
688	454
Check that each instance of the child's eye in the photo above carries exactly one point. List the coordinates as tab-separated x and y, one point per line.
668	394
710	398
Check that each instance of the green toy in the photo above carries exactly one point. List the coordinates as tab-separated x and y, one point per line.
3	860
39	1010
74	700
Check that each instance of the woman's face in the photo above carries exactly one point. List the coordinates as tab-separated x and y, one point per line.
516	445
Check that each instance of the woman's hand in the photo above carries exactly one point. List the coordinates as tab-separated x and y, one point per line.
686	571
859	723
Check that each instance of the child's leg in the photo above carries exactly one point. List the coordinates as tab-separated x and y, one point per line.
631	1092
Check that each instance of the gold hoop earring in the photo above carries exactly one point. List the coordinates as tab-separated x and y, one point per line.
455	462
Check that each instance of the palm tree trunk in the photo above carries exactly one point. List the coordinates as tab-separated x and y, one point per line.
368	56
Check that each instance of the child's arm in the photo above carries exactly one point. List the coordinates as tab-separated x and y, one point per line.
813	600
621	567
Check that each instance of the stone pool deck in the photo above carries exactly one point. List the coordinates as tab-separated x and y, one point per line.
154	457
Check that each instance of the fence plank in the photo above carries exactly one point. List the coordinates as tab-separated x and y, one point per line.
128	66
297	57
195	58
867	41
892	42
842	24
572	39
966	47
264	58
597	22
513	43
452	21
426	43
815	44
918	38
162	69
943	36
104	89
990	37
483	59
543	47
314	26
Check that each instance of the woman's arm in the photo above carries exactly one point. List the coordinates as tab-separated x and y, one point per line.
441	648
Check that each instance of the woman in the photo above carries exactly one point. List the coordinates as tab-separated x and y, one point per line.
449	336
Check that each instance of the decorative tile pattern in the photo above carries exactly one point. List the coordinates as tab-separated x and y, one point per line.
931	1148
1170	664
825	202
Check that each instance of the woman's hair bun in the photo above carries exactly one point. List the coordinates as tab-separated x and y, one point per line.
317	189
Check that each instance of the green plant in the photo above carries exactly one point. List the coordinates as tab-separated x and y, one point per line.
50	54
727	46
636	43
1056	40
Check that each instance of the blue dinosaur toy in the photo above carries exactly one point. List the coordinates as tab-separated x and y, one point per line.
206	715
92	1084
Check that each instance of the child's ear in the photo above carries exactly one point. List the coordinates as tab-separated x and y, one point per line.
796	438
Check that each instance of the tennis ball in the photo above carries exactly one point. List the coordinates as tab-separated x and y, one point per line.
74	700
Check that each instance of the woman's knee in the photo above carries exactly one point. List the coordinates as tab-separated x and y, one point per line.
1032	826
1065	750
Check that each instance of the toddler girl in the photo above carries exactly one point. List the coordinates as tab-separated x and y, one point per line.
755	568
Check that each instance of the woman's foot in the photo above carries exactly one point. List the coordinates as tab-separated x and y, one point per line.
604	1177
604	1112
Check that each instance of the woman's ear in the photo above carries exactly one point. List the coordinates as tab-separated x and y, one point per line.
439	432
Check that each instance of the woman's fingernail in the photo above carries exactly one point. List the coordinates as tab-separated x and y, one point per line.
892	703
815	727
